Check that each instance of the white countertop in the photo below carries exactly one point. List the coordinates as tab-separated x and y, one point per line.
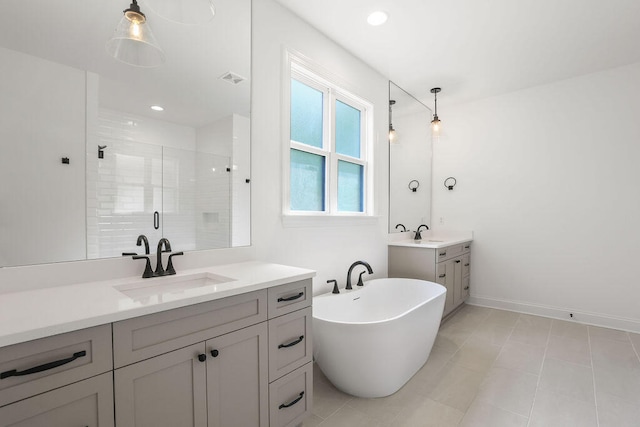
39	313
430	239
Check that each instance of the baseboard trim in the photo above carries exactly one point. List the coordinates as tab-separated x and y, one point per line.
604	321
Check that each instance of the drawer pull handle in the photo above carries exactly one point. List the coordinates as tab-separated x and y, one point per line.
292	343
467	247
466	265
443	254
41	368
287	405
466	288
457	261
295	297
442	275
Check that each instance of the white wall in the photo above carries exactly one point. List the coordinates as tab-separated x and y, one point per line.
547	180
332	248
41	199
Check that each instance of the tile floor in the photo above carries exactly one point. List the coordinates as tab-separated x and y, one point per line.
495	368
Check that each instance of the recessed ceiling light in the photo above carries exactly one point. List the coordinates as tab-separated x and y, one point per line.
377	18
157	108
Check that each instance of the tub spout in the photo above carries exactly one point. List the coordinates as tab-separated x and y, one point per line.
366	264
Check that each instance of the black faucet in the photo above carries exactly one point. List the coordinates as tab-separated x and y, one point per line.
403	227
167	248
418	236
366	264
335	286
142	238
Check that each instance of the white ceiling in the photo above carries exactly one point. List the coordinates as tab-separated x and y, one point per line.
74	33
478	48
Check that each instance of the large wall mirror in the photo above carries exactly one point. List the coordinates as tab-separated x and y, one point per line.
87	166
410	154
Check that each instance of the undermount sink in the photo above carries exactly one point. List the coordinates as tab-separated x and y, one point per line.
170	284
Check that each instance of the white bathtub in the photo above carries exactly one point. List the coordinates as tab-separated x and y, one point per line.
370	341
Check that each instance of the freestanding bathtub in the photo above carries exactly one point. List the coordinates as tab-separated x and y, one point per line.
370	341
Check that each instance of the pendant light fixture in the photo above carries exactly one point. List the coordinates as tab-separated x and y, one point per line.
133	42
191	12
393	138
435	123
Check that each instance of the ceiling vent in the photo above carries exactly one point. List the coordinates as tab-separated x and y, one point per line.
232	78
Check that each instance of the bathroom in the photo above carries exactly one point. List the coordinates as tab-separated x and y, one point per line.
544	180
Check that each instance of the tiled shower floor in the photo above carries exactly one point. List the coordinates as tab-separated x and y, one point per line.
495	368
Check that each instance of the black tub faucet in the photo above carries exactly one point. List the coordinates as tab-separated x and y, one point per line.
143	239
418	236
403	227
366	264
167	248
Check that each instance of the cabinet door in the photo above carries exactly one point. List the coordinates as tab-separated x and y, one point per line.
237	378
164	391
85	403
445	276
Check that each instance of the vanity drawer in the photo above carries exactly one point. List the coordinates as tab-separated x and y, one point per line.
85	403
443	254
289	342
37	366
290	397
143	337
466	265
290	297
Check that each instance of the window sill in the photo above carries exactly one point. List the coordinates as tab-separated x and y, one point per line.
290	221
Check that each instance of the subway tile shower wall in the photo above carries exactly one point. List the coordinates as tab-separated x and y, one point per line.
149	166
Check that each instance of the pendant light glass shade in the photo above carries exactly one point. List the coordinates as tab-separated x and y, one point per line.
393	136
133	42
193	12
436	126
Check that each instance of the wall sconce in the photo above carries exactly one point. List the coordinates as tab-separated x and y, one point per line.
393	137
133	42
435	123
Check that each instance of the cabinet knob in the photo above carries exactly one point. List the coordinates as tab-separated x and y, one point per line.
466	288
215	353
442	275
457	261
202	357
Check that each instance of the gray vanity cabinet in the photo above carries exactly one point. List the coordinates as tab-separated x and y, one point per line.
449	266
221	381
237	378
218	383
85	403
58	381
167	390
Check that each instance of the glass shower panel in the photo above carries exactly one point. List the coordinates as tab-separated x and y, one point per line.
124	189
196	199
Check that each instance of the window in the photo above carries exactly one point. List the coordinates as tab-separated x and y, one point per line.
329	147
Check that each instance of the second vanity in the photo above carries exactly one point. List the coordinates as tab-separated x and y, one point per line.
444	259
225	346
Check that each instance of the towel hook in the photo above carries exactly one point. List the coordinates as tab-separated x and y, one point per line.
450	182
414	187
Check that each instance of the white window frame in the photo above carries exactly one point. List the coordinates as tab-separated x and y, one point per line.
303	70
